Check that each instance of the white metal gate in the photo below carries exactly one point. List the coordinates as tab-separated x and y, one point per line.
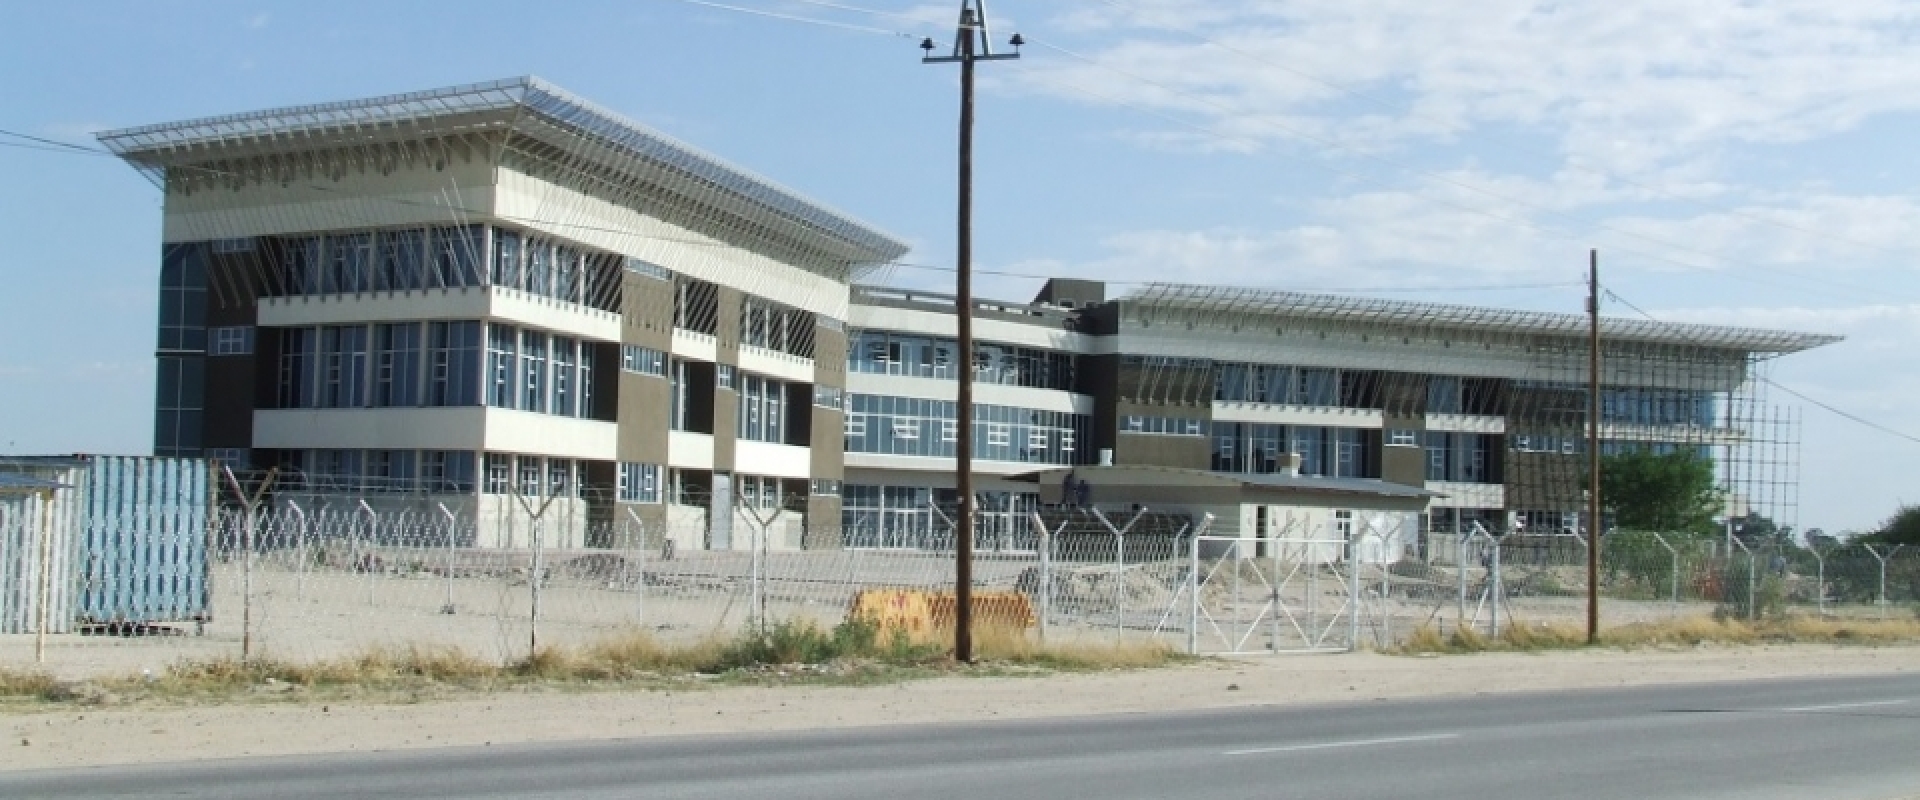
1271	595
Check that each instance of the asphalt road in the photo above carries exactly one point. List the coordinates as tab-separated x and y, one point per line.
1840	738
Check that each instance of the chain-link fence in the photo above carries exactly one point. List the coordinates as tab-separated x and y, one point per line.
331	578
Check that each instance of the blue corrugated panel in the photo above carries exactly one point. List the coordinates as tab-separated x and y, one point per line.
146	540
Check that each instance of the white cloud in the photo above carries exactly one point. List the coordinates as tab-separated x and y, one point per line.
1627	84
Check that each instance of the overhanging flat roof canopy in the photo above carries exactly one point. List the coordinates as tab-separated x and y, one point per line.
1203	303
537	118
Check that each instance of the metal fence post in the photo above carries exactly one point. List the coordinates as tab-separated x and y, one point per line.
1753	603
373	536
1193	591
1045	583
1460	570
1497	591
1882	601
299	516
1673	560
46	578
1819	581
1353	596
639	543
453	530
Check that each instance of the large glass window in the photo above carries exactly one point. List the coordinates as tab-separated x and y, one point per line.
349	263
762	409
533	371
503	345
446	471
639	483
912	355
453	376
457	255
343	366
566	365
914	426
397	363
403	256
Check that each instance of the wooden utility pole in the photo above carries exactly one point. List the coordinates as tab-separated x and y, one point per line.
971	43
1593	447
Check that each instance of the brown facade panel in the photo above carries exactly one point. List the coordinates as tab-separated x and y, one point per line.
1187	452
826	447
830	357
642	418
726	413
646	311
1403	465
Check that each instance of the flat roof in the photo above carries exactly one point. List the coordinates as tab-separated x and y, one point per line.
525	106
1218	300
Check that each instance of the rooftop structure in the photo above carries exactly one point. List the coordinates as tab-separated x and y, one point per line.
597	149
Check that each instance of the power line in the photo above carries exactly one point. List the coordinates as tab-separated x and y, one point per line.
1775	384
797	18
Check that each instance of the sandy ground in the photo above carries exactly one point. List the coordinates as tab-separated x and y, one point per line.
80	737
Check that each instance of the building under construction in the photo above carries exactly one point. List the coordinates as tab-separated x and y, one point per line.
476	295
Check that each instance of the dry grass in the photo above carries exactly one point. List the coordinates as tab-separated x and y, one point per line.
1018	647
1690	631
787	652
27	685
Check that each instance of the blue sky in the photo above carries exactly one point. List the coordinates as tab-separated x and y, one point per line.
1734	162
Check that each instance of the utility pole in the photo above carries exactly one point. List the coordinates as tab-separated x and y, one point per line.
971	42
1593	447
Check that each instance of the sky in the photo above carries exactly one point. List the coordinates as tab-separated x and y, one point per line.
1734	162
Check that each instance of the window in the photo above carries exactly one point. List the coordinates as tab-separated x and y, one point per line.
396	365
234	458
1037	439
389	470
506	260
1403	437
648	269
723	376
453	368
533	371
639	483
502	348
343	366
350	263
566	397
236	340
457	255
761	409
446	471
499	473
643	360
242	244
949	430
1167	426
998	436
828	397
677	395
823	488
560	478
1066	441
297	359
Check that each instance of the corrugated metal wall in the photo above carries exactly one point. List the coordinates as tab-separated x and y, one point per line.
29	525
147	522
